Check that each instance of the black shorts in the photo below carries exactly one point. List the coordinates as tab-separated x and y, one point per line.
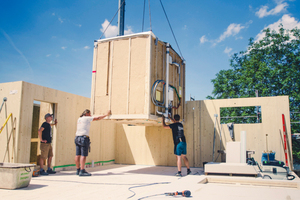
82	145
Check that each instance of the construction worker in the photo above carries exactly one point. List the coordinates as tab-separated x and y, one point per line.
45	137
179	142
82	140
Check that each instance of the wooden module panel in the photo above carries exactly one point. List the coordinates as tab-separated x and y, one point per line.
124	70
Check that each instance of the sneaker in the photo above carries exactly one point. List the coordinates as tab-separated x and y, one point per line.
84	173
178	174
77	172
188	171
50	171
42	172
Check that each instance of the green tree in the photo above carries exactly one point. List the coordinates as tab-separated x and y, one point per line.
271	66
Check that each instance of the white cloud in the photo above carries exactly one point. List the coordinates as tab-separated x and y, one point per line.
232	30
227	50
57	55
53	14
79	25
128	31
184	27
287	21
61	21
48	55
203	39
86	47
112	30
63	48
280	7
53	37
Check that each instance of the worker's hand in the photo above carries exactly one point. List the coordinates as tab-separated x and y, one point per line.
43	141
163	117
55	121
108	113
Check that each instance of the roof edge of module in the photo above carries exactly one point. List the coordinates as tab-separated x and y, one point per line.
127	36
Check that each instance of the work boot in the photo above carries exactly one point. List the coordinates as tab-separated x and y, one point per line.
188	171
178	173
42	172
78	171
84	173
50	171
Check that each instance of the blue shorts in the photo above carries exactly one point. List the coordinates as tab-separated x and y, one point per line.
180	149
82	145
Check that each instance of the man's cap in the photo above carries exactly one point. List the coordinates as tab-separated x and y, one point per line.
48	115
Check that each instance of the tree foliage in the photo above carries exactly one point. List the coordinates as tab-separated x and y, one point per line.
271	66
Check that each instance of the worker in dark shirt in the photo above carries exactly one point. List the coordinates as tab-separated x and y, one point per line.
179	142
46	148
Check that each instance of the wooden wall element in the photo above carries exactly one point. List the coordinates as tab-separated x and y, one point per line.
127	144
13	93
68	109
146	145
200	124
124	70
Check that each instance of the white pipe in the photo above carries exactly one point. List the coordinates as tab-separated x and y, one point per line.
167	78
94	77
243	146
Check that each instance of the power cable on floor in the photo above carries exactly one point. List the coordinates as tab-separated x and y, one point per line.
144	186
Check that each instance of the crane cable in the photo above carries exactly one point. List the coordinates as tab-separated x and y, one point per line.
112	19
171	29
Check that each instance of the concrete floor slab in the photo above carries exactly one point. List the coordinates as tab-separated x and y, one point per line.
140	182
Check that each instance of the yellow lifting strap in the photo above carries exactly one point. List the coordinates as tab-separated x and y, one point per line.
5	122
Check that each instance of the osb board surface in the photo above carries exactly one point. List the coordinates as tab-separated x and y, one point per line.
202	127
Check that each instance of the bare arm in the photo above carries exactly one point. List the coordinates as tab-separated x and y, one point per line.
164	124
55	122
170	117
40	135
102	116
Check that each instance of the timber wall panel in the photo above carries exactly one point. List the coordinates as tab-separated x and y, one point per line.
68	107
102	78
147	145
13	93
271	108
119	77
138	76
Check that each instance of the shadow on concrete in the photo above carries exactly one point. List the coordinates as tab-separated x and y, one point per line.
33	187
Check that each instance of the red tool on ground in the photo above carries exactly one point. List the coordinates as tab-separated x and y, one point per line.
284	136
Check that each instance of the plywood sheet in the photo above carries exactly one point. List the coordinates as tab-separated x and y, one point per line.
138	76
120	77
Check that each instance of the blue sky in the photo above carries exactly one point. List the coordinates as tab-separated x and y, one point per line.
50	43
